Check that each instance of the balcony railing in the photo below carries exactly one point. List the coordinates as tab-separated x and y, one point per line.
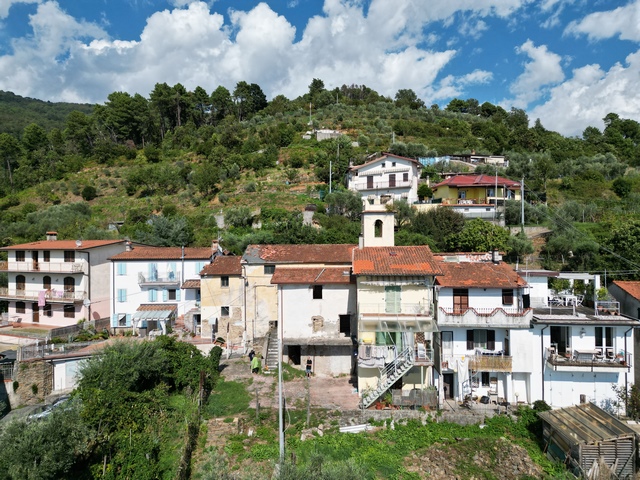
45	267
171	278
607	308
496	362
34	295
486	317
381	185
401	309
596	359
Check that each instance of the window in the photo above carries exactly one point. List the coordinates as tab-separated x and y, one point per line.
383	164
122	268
69	311
369	181
19	255
392	180
224	281
481	338
47	311
122	295
199	267
46	282
69	256
507	296
153	295
604	336
377	229
224	311
345	325
393	164
484	379
20	307
20	282
152	272
46	256
460	300
317	292
171	294
122	320
69	284
405	177
269	269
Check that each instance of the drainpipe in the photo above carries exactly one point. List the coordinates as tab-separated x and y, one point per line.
542	353
245	283
626	374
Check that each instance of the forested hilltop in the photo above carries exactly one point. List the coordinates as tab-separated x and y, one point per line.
163	168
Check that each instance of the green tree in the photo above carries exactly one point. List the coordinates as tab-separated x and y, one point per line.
478	235
408	98
439	224
346	203
221	104
10	152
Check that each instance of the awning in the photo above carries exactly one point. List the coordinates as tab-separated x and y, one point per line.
146	313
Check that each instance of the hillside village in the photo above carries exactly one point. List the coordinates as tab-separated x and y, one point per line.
398	322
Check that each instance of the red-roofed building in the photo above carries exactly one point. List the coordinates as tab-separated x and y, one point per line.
165	277
386	178
476	190
396	316
628	294
223	298
59	282
317	307
482	320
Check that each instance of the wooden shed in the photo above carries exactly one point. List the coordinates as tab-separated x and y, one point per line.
582	435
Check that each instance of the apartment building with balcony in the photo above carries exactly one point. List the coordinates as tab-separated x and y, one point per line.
59	282
152	286
395	313
385	179
484	329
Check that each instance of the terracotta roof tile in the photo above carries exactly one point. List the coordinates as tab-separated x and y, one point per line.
416	260
62	245
317	253
479	275
309	276
631	287
190	284
477	181
222	265
164	253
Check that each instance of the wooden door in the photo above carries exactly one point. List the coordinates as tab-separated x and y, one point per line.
34	257
392	180
36	312
370	181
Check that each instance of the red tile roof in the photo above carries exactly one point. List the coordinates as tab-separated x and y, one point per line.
62	245
223	266
477	181
316	253
164	253
190	284
416	260
309	276
385	157
479	275
631	287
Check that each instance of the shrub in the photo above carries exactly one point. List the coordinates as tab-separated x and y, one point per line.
89	193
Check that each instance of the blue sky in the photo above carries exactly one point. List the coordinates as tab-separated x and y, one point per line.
567	62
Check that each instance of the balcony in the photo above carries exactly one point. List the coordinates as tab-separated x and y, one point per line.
51	296
381	185
481	361
403	317
485	317
171	279
596	360
44	267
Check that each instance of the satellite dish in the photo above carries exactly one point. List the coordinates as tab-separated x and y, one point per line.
86	302
78	243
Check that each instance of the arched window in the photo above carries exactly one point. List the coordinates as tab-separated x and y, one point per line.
46	282
377	228
20	282
69	284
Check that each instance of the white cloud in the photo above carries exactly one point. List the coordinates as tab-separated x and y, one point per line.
623	21
586	98
543	69
5	6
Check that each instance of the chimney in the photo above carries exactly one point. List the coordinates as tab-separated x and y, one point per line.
52	236
127	246
495	256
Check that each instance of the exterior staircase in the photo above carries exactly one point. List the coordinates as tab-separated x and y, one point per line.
391	372
271	357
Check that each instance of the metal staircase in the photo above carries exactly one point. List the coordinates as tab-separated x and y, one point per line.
392	371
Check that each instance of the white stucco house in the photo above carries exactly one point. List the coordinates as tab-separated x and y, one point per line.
59	282
385	179
316	317
147	288
484	329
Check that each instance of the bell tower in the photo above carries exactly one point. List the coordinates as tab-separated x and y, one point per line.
377	227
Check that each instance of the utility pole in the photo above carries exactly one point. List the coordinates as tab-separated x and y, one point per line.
522	202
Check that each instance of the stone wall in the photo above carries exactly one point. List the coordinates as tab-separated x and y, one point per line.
35	379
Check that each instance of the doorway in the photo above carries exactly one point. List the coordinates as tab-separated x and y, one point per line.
36	312
447	385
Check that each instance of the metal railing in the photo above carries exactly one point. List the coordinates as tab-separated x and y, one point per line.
29	352
606	358
606	307
50	296
506	316
380	185
45	267
382	309
170	278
